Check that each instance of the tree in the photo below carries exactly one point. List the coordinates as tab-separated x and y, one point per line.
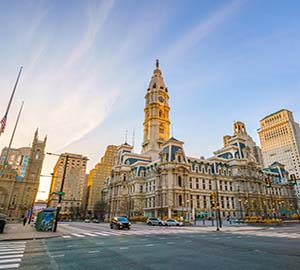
100	209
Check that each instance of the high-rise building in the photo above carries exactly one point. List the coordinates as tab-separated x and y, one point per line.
280	142
74	168
20	178
98	175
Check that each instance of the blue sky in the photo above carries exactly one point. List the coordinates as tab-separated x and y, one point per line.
87	65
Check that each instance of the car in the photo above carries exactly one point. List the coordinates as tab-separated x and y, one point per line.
154	221
120	223
87	220
96	220
173	222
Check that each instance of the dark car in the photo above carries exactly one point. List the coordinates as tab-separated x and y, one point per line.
120	223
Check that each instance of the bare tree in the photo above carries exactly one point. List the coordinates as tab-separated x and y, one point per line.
100	209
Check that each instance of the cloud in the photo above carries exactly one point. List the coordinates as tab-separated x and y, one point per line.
203	29
97	17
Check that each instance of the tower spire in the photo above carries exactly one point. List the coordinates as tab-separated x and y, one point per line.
157	63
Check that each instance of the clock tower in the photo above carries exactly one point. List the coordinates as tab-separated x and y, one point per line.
157	122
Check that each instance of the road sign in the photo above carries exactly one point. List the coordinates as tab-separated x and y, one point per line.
60	193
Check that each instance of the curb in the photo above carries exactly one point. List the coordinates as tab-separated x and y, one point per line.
30	238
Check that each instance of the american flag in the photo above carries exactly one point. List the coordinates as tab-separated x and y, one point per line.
3	123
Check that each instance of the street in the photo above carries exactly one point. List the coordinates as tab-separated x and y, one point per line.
95	246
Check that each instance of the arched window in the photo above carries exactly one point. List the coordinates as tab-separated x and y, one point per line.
160	113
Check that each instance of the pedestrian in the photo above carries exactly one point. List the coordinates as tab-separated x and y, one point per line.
24	221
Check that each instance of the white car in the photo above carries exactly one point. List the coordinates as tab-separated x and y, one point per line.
172	222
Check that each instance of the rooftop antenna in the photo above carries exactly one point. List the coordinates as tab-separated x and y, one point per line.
172	131
133	138
126	131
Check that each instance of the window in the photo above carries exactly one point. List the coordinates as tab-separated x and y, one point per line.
204	202
198	201
179	181
141	188
209	185
191	182
197	183
180	200
203	184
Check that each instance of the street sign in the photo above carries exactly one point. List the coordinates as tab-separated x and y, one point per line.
60	193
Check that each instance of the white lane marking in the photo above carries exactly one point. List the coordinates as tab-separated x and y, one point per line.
124	247
11	256
78	235
10	260
149	245
89	234
93	251
57	256
9	266
16	242
124	241
170	243
13	246
12	252
66	236
103	234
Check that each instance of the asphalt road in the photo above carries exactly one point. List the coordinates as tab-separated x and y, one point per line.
199	250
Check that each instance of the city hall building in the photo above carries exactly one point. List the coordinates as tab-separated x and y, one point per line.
163	181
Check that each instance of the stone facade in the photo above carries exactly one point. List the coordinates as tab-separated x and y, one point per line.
73	185
18	187
163	181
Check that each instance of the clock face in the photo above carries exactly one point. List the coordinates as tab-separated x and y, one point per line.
161	99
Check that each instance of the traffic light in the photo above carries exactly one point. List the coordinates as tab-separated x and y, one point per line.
268	182
212	200
293	179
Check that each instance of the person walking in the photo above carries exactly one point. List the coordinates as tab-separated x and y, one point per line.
24	221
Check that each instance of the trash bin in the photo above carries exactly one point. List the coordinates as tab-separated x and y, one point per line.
2	222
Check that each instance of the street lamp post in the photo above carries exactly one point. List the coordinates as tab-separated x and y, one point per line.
61	190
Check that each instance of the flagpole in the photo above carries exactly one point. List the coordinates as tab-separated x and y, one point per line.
12	136
10	101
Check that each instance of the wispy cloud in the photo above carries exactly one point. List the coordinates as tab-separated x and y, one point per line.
203	29
97	16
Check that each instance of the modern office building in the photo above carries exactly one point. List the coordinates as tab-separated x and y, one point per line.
280	142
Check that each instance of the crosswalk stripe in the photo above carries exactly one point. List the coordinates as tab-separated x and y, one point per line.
103	234
10	260
90	234
78	235
9	266
11	256
10	249
12	252
66	236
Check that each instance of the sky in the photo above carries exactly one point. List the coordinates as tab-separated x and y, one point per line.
87	66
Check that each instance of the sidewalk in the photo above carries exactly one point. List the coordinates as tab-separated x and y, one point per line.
27	232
